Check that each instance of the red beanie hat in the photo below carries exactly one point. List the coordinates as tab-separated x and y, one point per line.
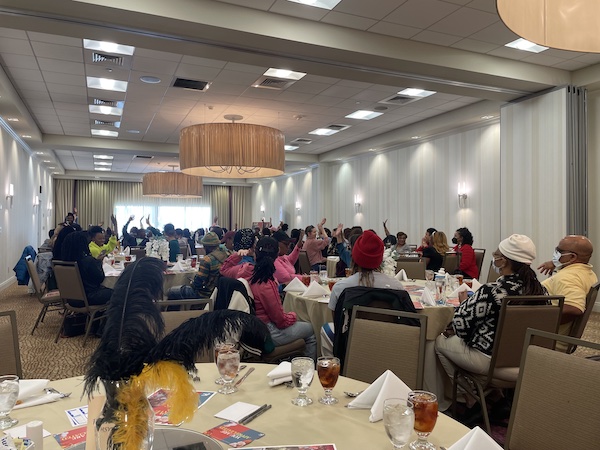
367	251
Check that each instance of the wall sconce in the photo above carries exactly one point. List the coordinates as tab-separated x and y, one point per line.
262	209
36	200
11	193
462	195
49	206
298	207
357	203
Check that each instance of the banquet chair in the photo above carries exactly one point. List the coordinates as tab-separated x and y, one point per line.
415	269
139	252
517	313
200	251
479	255
10	357
51	301
304	262
184	250
402	350
581	321
568	415
186	304
70	286
492	276
451	262
175	318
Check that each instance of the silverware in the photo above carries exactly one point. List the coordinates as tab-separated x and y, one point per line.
241	380
352	394
54	391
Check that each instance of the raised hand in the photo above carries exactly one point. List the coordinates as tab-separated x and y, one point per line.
113	220
131	217
323	221
546	268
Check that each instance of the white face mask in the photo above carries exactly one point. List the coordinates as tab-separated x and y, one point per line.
495	267
556	258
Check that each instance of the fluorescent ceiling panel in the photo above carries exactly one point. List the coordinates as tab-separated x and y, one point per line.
283	73
412	92
108	47
107	110
106	84
106	133
525	45
363	114
325	4
323	131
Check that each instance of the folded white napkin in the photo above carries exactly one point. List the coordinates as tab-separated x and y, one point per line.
127	251
37	400
314	289
280	374
427	298
177	267
401	275
333	258
27	388
295	286
388	385
461	288
476	285
476	439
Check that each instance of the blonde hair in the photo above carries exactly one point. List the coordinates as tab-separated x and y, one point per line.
439	242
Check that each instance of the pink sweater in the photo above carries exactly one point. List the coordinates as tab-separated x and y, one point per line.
268	305
313	249
284	266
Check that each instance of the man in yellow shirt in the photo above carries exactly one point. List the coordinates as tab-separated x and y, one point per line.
98	247
573	278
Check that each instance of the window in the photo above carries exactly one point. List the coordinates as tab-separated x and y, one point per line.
192	217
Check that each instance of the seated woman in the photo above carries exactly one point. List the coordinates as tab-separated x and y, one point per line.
76	248
468	265
433	254
314	247
401	246
283	327
476	319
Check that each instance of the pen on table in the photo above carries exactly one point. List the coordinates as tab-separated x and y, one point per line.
250	370
255	414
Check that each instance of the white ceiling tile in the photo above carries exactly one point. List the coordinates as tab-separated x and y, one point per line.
473	45
295	97
116	73
324	100
55	51
563	54
220	87
65	79
496	33
395	30
31	85
158	55
194	72
374	10
254	4
50	129
570	65
542	59
421	13
44	113
229	76
484	5
54	39
340	91
11	33
507	52
67	89
590	58
15	46
195	60
307	87
464	22
297	10
20	61
55	65
68	98
154	66
320	79
81	108
431	37
348	20
26	74
236	67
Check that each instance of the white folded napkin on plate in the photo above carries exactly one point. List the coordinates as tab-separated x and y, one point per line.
295	286
427	298
476	439
35	400
388	385
127	251
401	276
177	267
462	288
280	374
108	269
27	388
314	289
476	285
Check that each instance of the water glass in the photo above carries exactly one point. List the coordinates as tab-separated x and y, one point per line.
429	274
228	363
303	371
328	369
9	391
218	347
399	420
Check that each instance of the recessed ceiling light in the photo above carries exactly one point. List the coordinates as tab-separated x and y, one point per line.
283	73
55	173
134	131
290	148
104	109
103	157
150	79
412	92
108	47
338	159
39	153
46	161
415	137
27	136
102	163
12	119
323	131
51	167
104	169
106	84
525	45
325	4
363	114
371	149
487	117
106	133
302	168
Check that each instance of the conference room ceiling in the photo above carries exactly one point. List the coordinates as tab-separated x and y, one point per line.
355	56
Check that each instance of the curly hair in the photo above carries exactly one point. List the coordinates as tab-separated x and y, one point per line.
467	237
267	250
76	246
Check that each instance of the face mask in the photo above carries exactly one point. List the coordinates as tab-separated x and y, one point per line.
454	240
495	267
138	240
556	257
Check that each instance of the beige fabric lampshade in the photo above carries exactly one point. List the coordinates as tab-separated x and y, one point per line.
563	24
171	184
231	150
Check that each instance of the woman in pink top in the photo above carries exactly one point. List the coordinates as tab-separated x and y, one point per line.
314	247
284	264
284	327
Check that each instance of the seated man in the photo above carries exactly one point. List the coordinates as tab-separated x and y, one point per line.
243	252
98	247
573	277
208	272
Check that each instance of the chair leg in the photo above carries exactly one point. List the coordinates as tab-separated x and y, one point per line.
40	318
454	392
482	401
88	327
62	325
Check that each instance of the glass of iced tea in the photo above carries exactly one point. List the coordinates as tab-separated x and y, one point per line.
228	362
425	406
306	279
328	369
218	347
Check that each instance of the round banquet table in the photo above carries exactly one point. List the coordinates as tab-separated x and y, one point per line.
284	423
170	279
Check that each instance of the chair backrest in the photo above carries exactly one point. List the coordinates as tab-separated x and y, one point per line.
451	262
412	247
139	252
566	417
414	268
376	345
184	250
10	357
200	251
35	279
513	322
69	281
186	304
479	255
231	293
492	276
175	318
304	262
581	321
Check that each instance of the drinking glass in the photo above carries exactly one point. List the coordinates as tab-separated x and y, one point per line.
399	420
429	274
425	406
328	369
218	347
303	371
228	363
9	391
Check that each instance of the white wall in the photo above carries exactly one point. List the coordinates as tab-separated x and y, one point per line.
593	179
21	223
414	187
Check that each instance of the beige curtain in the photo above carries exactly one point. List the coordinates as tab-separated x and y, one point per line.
63	198
218	199
241	206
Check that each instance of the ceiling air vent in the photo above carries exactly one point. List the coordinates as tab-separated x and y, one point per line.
398	99
104	58
279	84
107	123
302	141
143	157
98	101
338	127
191	84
